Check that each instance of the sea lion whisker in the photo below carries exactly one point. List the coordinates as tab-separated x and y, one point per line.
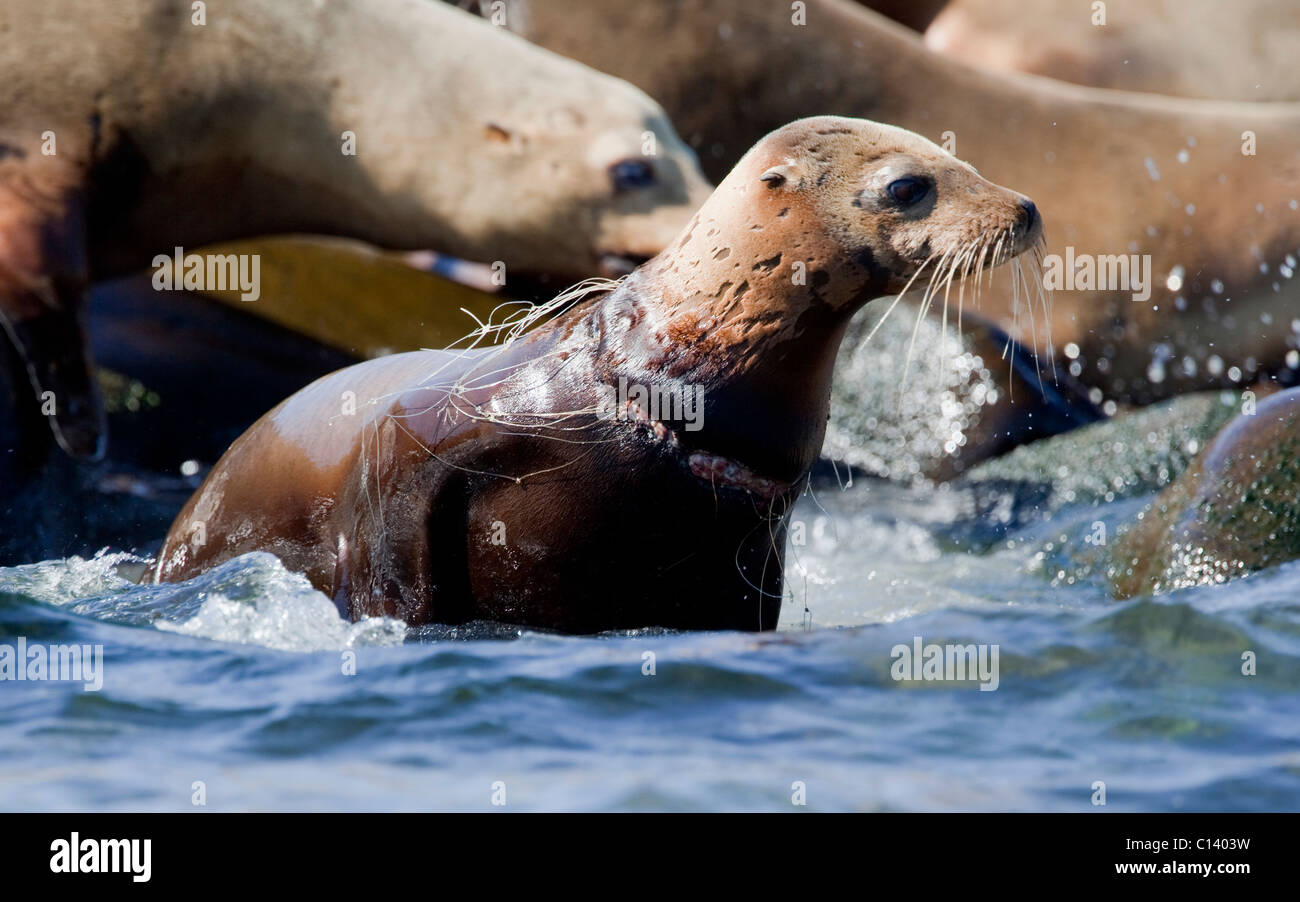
965	275
946	285
1044	295
979	270
556	438
464	469
947	290
993	264
766	521
811	492
518	321
371	504
897	298
995	250
1032	325
767	558
774	550
916	328
1036	282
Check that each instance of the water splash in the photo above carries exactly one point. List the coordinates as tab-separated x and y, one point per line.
251	600
904	438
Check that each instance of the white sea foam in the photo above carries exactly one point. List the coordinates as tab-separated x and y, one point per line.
252	599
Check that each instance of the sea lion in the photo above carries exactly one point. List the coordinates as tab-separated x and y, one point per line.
1190	48
1207	193
136	127
1234	511
537	484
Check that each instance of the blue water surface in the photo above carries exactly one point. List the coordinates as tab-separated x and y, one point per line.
233	689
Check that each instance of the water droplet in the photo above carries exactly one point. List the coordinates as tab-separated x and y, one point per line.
1152	171
1183	156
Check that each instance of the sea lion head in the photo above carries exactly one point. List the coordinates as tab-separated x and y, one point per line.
818	218
752	299
863	208
594	177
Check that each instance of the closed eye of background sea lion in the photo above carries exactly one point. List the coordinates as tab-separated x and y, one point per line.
387	482
130	129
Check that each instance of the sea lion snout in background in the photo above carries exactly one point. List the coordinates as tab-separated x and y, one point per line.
131	129
536	483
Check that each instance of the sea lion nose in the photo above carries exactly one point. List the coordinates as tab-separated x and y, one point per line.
1031	212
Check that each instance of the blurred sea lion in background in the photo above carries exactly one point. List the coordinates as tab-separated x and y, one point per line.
136	127
1244	50
1210	191
1234	511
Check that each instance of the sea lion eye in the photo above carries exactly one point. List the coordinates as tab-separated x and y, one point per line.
908	190
631	173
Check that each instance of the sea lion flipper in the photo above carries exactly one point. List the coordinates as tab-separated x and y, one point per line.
43	280
54	352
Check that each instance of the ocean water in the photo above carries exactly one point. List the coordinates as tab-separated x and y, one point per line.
234	689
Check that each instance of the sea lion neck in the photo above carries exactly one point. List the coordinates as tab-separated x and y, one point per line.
753	270
753	327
